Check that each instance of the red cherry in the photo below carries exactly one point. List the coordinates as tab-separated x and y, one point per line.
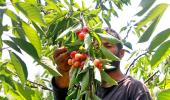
78	32
73	61
83	56
78	56
85	29
72	54
70	62
81	36
98	64
76	64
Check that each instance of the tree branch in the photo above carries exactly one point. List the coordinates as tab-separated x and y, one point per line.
40	85
135	61
4	48
151	76
127	33
32	86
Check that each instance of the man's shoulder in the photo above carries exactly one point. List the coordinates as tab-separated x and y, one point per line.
132	81
136	89
134	84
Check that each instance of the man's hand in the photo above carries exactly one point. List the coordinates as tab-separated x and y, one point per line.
61	57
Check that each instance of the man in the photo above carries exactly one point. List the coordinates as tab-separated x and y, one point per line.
127	88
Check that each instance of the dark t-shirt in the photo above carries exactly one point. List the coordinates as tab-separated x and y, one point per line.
127	89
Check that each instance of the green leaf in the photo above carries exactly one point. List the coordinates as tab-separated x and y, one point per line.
72	95
14	1
3	98
85	82
109	38
7	80
64	33
108	79
2	3
108	54
159	38
1	45
51	70
127	44
154	13
20	67
164	95
87	41
1	20
96	97
26	92
161	53
39	30
27	47
12	15
31	11
73	73
17	31
147	34
145	4
12	45
32	37
31	1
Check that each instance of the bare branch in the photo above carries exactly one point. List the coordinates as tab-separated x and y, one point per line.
127	33
32	86
40	85
135	61
151	76
4	48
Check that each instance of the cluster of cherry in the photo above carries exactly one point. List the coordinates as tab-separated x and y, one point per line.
77	59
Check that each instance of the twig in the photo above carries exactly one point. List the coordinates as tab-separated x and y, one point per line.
135	61
3	48
42	86
82	19
151	76
127	33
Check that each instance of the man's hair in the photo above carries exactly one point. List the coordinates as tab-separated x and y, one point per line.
114	34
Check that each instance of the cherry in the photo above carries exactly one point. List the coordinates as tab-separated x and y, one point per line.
76	64
73	61
72	54
78	56
81	36
78	32
85	29
83	56
70	62
98	63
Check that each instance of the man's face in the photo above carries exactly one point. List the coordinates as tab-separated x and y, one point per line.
114	49
111	47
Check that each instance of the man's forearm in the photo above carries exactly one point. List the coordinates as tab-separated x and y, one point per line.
62	81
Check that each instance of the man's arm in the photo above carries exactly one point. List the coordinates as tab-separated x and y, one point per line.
60	83
59	93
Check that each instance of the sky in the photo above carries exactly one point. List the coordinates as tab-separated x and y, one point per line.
124	16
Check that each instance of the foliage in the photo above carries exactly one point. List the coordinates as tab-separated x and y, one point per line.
38	27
